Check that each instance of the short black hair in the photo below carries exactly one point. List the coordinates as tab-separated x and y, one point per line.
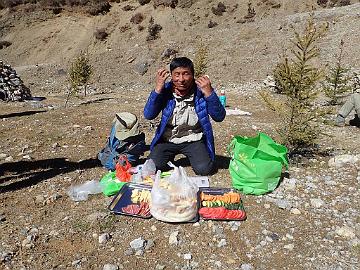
182	62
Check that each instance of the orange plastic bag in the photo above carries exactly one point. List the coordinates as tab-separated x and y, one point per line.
122	171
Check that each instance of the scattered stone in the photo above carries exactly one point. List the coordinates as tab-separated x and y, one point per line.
274	236
54	145
142	67
2	217
270	82
103	238
28	242
76	126
289	247
53	198
109	266
138	243
173	238
340	160
3	156
88	128
290	184
221	243
187	256
76	263
160	267
295	211
234	225
316	203
6	256
345	232
283	204
246	266
40	199
139	252
267	206
9	159
153	228
97	216
129	252
149	244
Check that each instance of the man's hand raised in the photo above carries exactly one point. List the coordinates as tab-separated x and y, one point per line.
161	76
203	82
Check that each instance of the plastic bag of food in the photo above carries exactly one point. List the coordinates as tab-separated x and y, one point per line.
145	173
174	198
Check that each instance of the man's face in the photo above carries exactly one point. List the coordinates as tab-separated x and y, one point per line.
183	80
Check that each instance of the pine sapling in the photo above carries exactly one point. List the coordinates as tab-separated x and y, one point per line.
337	83
79	75
297	77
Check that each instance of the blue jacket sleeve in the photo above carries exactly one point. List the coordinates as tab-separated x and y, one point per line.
215	109
154	105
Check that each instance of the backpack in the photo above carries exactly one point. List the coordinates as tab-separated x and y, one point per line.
131	147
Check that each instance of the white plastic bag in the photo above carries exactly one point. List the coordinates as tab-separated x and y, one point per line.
174	198
81	192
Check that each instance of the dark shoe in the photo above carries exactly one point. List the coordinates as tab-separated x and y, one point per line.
355	122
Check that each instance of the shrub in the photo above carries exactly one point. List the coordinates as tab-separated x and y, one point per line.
79	74
4	44
98	8
137	18
338	81
219	10
101	34
322	3
212	24
128	8
251	12
298	77
124	28
344	2
165	3
144	2
153	31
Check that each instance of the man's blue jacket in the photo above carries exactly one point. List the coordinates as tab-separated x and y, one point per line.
204	107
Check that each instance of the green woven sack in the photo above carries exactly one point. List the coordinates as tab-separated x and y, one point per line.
110	184
256	163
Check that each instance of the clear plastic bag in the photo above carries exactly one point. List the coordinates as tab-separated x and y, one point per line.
144	173
81	192
174	198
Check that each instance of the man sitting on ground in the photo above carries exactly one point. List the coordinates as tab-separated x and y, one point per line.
352	103
186	104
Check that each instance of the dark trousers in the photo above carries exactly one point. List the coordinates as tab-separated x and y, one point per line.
196	152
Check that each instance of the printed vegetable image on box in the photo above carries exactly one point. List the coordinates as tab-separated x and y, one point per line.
132	200
221	204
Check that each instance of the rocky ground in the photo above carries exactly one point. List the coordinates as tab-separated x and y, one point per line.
311	221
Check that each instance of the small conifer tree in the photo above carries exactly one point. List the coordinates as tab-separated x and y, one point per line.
201	60
297	77
79	74
337	83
